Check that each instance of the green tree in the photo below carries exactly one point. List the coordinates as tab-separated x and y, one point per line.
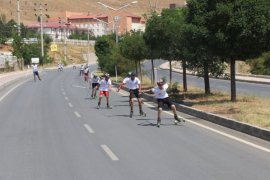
109	56
152	32
17	45
260	65
134	48
198	51
239	29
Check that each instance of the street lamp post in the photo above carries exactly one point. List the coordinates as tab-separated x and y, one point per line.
116	18
116	21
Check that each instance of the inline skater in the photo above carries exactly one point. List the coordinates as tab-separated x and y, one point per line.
94	81
104	87
163	98
86	72
134	85
35	71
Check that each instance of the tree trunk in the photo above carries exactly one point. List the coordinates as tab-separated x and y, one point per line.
153	72
140	69
170	73
184	75
136	66
233	84
206	80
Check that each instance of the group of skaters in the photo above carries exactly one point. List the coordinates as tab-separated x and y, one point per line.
133	83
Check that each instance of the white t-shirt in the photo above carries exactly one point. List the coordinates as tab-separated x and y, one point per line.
161	93
35	68
95	79
132	84
104	85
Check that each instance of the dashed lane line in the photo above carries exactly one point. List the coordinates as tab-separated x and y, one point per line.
66	98
77	114
70	105
109	152
89	129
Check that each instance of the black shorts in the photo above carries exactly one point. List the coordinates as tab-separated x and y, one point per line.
166	100
35	73
134	93
94	85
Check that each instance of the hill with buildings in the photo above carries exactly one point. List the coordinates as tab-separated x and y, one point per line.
54	7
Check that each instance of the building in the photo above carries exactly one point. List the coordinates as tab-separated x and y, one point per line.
97	24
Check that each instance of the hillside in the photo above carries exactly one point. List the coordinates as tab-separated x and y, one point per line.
9	7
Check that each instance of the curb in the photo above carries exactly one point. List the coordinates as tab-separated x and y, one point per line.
239	80
226	122
9	83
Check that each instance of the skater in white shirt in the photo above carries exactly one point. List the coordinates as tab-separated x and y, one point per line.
35	71
94	81
163	98
104	87
134	85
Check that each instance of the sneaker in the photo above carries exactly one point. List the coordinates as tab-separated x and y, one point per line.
177	119
142	113
109	107
131	114
98	107
158	123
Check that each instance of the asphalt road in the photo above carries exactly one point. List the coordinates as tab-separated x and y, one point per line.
51	130
219	85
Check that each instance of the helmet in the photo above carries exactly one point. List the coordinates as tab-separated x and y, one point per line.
132	74
160	82
129	74
106	75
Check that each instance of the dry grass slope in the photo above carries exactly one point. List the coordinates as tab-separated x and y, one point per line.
8	7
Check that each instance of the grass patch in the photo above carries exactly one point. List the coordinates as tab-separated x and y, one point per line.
247	109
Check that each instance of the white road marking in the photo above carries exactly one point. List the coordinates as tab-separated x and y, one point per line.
7	93
222	133
89	129
77	114
219	132
79	86
109	153
66	98
70	105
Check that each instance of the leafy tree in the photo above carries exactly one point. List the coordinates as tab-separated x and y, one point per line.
240	29
17	45
152	32
198	51
109	56
260	65
134	48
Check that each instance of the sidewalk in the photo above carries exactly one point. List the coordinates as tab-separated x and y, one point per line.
10	77
239	77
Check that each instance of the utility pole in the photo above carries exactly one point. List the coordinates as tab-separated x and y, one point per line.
19	17
66	24
40	14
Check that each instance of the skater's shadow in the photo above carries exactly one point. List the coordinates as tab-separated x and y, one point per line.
120	105
147	124
119	115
